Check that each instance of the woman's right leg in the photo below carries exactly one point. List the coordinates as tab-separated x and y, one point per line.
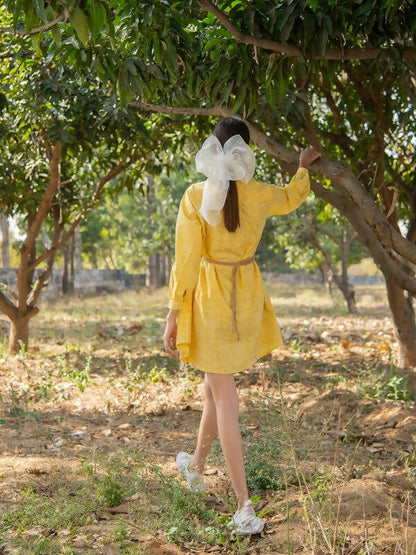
226	401
207	431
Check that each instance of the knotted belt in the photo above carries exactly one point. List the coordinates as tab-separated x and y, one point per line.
235	266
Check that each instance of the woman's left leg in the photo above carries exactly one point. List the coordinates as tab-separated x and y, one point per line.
226	401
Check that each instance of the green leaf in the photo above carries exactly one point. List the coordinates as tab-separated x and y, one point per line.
36	42
364	8
80	23
56	34
210	44
31	18
171	60
97	18
239	101
282	82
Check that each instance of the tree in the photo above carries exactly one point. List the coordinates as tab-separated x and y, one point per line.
64	139
110	235
339	75
317	236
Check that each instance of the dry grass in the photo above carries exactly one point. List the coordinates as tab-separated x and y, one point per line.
92	417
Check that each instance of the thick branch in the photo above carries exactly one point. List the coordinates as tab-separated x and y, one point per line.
36	30
25	266
95	197
44	207
293	51
332	237
214	111
341	176
41	280
7	307
367	236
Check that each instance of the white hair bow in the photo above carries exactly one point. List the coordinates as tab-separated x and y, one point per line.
219	164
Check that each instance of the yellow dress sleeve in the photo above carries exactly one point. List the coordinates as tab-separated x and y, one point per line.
188	249
282	200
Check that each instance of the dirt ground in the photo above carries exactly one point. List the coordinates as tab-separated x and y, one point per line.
94	414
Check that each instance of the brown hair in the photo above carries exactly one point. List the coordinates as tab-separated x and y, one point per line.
224	130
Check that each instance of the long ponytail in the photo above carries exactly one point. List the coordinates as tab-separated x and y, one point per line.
224	130
231	208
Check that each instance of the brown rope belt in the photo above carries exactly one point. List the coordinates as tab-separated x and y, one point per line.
235	266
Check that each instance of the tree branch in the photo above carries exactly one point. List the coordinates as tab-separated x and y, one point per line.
36	30
341	176
7	307
42	211
293	51
214	111
331	236
367	236
96	195
26	266
41	280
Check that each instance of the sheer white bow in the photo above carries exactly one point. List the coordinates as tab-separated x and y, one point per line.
219	164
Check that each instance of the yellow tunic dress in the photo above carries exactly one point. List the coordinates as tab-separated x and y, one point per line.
202	290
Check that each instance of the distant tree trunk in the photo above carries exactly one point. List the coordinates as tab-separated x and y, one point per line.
153	270
5	244
168	267
325	276
65	278
78	248
348	289
162	270
341	281
72	265
68	274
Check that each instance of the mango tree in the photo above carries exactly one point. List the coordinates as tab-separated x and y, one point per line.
339	75
64	139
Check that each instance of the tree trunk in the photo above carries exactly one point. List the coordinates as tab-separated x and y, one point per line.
162	270
5	245
348	290
19	334
153	270
168	267
350	298
78	248
71	282
403	320
324	271
68	277
65	278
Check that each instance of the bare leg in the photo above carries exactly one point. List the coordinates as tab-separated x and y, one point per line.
226	401
207	431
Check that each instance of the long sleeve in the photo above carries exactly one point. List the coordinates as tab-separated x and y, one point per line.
282	200
188	248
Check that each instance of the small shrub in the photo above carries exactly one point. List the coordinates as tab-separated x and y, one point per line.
112	492
393	386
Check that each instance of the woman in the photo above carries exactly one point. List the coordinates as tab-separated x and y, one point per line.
221	318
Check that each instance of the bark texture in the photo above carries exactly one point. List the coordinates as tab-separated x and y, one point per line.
5	244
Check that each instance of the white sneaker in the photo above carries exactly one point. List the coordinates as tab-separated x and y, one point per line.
195	481
245	522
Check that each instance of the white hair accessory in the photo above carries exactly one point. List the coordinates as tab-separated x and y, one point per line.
219	164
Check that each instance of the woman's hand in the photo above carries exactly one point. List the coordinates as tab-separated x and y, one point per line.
169	337
307	156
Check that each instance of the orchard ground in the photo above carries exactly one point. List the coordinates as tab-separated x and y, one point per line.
93	415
